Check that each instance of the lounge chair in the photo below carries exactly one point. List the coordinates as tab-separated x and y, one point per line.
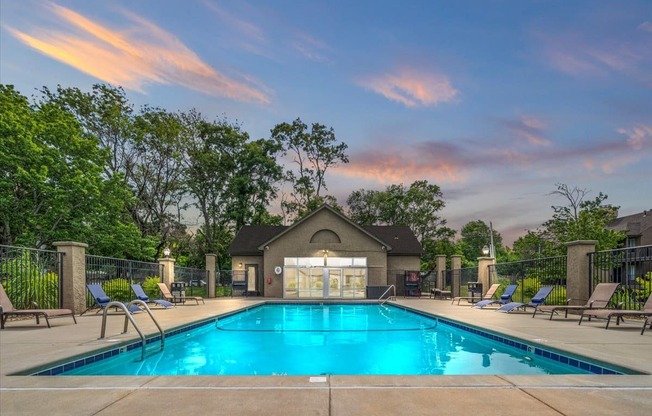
488	295
102	299
504	299
439	293
607	314
7	309
537	300
141	295
168	296
599	299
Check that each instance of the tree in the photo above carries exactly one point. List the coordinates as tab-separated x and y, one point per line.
51	182
416	207
474	236
582	219
313	152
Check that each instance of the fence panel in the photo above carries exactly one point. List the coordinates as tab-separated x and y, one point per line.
117	275
631	267
531	275
30	275
196	280
461	277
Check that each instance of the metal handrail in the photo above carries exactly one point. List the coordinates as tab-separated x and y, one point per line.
382	302
128	318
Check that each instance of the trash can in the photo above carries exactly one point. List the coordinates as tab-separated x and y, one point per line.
475	290
178	292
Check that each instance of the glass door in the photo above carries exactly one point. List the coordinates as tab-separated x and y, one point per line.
334	287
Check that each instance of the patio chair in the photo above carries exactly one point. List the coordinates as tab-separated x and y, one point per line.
440	294
141	295
537	300
102	299
7	310
488	295
607	314
177	299
504	299
599	299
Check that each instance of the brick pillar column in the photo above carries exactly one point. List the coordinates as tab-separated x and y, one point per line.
168	270
577	270
210	267
456	265
483	271
441	270
74	275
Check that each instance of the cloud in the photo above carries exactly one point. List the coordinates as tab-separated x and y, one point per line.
140	55
310	48
412	87
530	128
466	161
440	162
580	54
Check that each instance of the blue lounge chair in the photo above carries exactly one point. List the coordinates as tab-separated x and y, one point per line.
141	295
102	299
536	301
504	299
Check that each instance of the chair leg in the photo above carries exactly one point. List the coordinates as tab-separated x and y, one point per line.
609	320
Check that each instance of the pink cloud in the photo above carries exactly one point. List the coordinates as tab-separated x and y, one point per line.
529	128
411	87
135	57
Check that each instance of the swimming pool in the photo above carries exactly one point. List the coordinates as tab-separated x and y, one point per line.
331	339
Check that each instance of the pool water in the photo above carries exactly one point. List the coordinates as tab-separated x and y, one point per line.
327	339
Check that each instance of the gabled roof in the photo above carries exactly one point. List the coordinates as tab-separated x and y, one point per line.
325	207
399	240
635	224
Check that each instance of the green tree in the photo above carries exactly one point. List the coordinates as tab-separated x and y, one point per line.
582	219
51	181
416	207
312	152
474	236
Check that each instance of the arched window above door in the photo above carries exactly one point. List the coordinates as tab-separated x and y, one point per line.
325	236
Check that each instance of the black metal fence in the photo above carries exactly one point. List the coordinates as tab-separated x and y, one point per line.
230	282
631	267
532	275
117	275
461	277
29	275
196	280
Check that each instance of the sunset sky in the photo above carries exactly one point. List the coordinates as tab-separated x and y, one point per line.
494	101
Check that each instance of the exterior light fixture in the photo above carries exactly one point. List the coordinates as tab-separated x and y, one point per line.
485	250
240	265
166	252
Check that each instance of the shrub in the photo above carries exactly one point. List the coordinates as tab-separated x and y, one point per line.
150	286
25	282
118	289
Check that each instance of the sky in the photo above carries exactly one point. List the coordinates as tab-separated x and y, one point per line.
495	102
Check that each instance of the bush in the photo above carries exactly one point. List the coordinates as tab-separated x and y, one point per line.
150	286
118	289
26	283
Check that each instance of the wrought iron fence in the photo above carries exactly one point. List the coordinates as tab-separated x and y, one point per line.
631	267
460	278
196	280
117	275
30	275
225	279
531	275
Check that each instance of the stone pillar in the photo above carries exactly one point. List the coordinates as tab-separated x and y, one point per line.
483	271
210	267
441	270
577	270
168	270
74	275
456	266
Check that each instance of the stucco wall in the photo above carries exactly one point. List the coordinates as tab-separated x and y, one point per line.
296	242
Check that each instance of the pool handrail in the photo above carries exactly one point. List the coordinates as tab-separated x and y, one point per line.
383	301
128	318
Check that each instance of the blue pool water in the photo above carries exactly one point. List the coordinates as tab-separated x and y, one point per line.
337	339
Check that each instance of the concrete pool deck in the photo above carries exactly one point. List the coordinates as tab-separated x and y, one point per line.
25	346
